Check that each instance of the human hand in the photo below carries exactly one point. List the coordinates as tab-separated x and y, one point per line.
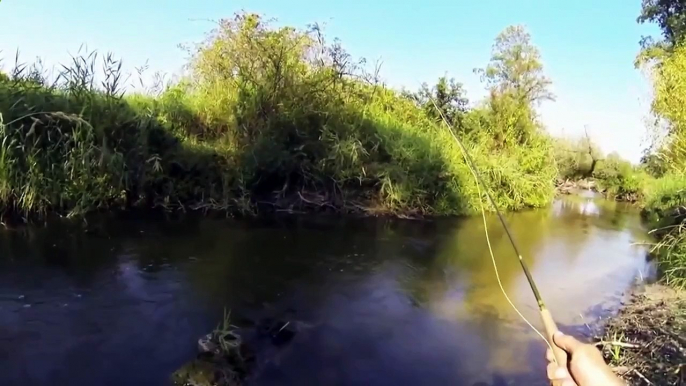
586	366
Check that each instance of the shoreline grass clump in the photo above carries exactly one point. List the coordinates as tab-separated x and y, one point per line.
274	119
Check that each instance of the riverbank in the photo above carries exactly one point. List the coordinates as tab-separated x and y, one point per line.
266	119
649	338
653	323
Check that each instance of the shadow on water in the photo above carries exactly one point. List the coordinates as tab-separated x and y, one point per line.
385	302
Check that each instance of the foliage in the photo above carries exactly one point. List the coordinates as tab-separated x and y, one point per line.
445	99
515	68
670	16
55	157
666	196
654	165
574	157
266	118
670	91
619	179
312	122
663	195
665	200
671	252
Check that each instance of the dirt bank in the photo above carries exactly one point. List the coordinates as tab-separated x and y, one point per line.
649	338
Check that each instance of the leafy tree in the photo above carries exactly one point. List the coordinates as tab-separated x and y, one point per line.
515	67
669	90
670	16
516	83
654	164
448	96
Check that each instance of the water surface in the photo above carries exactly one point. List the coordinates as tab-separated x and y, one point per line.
385	302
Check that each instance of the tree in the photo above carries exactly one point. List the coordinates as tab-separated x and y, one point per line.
448	95
653	164
670	16
515	67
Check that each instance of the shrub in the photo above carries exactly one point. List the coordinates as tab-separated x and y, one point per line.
619	178
574	158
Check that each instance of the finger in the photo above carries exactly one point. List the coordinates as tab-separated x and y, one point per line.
559	376
561	373
557	373
564	382
550	370
566	342
550	356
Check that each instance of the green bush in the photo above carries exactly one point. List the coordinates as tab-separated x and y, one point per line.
619	179
574	157
663	195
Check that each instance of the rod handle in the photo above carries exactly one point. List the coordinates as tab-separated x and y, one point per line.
550	328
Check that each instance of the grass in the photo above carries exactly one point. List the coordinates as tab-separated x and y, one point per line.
265	119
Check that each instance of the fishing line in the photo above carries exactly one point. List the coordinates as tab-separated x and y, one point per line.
532	284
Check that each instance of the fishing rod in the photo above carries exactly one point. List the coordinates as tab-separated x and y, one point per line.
548	322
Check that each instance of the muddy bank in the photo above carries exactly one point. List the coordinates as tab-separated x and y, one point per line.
648	338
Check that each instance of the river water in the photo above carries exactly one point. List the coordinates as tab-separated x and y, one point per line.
123	300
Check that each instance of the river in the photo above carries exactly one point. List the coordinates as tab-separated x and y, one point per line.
123	300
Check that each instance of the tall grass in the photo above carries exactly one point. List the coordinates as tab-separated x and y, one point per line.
266	117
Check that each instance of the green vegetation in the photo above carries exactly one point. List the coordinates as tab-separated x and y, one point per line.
615	177
619	179
575	158
272	118
666	195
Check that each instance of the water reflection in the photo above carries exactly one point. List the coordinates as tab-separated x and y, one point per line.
386	302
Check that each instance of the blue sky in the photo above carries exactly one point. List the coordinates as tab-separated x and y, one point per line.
588	46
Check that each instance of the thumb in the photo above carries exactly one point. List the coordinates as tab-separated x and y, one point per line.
566	342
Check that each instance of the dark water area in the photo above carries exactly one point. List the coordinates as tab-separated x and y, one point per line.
382	302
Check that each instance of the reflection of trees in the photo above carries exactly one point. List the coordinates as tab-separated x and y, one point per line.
60	248
281	266
602	213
